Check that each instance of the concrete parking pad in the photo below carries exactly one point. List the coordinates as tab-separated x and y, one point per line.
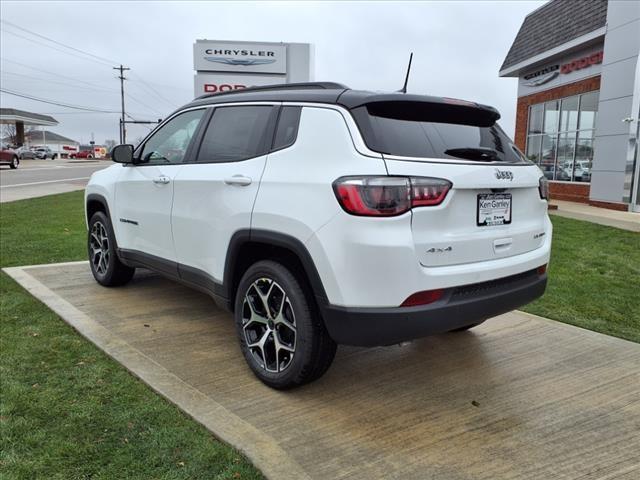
519	397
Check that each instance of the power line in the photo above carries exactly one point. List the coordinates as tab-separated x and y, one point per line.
97	89
151	109
48	72
155	92
128	95
53	102
58	43
55	48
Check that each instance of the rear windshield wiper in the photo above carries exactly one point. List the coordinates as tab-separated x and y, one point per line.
480	154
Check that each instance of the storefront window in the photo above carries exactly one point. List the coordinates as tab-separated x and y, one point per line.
569	115
551	115
536	113
560	137
588	109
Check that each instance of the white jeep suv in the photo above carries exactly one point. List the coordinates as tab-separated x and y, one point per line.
321	215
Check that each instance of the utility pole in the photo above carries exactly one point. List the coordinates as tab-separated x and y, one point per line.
123	132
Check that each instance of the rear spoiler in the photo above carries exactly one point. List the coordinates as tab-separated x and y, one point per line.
420	108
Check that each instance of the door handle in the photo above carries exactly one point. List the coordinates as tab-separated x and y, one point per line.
240	180
161	180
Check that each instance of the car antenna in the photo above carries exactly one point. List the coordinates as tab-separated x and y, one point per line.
406	79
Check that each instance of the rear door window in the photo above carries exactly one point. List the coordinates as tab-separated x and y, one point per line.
435	140
237	133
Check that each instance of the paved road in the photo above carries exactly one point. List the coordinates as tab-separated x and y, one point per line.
36	178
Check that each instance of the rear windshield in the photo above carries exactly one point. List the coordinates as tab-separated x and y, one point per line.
433	139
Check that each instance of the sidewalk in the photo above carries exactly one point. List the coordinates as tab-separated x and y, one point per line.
603	216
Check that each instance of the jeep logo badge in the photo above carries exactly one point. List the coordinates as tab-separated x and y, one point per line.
504	175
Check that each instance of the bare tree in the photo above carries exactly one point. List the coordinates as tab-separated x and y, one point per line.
9	134
109	144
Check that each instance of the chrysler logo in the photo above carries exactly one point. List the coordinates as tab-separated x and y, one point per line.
241	61
504	175
541	79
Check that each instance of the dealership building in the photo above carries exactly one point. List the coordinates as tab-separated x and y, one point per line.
579	98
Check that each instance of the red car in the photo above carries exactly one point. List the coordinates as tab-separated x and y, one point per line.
8	156
82	154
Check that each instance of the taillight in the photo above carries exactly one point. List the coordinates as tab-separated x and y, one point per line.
388	196
543	188
542	269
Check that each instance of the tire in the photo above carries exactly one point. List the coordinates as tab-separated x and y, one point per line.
54	157
106	267
89	156
304	351
14	163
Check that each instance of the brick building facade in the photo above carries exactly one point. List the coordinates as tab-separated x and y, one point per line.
579	99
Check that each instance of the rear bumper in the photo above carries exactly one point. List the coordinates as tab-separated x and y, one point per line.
460	307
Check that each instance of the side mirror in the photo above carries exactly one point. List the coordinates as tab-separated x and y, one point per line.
122	154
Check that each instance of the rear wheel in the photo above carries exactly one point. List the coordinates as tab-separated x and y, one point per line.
14	163
106	267
282	336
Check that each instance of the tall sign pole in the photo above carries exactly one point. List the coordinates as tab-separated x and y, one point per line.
123	132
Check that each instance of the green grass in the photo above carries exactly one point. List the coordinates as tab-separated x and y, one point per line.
67	410
594	279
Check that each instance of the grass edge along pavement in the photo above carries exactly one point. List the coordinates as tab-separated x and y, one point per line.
67	410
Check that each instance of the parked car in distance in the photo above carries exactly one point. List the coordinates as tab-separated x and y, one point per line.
25	153
8	156
321	215
45	152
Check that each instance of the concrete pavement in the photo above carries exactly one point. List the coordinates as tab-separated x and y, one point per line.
519	397
603	216
37	178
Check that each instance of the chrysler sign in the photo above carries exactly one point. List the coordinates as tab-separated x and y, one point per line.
212	56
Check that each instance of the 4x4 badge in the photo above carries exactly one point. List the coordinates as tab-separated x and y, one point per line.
504	175
439	250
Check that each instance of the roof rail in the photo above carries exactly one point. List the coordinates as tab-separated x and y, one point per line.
282	86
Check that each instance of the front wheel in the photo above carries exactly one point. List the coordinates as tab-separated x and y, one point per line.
106	267
14	163
282	335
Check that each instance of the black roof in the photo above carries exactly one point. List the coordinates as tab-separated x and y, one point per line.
331	93
553	24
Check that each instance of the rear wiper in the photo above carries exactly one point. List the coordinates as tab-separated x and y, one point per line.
481	154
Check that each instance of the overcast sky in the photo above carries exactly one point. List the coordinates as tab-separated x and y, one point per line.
458	48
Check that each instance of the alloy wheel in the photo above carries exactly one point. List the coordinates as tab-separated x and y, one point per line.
99	245
269	325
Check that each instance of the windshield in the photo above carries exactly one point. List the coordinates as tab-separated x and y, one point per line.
433	139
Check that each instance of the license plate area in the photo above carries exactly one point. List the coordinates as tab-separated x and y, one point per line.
493	209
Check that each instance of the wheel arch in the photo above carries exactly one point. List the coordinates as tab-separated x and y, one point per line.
96	203
249	246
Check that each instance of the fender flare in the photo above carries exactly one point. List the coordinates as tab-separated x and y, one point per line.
96	197
276	239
